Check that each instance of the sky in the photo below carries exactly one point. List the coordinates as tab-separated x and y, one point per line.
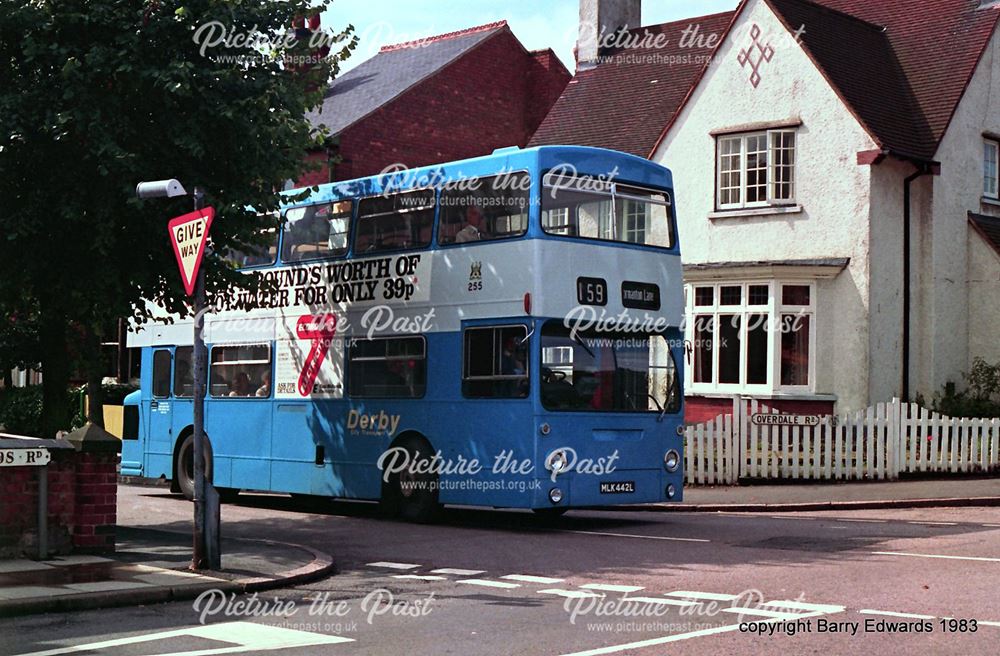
538	24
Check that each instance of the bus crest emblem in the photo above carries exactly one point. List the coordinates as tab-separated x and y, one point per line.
476	272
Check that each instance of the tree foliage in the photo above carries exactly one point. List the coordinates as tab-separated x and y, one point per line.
97	95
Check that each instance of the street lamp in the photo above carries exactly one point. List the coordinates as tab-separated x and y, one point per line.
207	553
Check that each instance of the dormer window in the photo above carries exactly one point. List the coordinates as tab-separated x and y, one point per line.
755	169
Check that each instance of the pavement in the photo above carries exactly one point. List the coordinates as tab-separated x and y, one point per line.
794	496
151	565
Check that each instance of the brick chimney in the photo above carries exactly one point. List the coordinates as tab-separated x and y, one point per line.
601	20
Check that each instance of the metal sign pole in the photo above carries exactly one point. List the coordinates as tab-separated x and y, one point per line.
206	501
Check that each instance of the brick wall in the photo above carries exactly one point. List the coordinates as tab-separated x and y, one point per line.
494	96
82	504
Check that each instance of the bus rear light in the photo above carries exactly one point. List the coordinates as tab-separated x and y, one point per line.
545	429
555	495
527	302
671	460
671	491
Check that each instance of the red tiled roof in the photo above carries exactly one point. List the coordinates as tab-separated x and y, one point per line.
900	66
920	67
625	102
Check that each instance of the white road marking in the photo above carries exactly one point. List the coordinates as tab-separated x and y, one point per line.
419	577
489	584
604	587
992	525
869	611
985	623
916	555
790	517
663	602
866	521
935	523
389	565
629	535
247	637
458	572
527	578
798	605
571	594
711	596
742	610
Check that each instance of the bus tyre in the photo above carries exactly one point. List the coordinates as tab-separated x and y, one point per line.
184	467
413	496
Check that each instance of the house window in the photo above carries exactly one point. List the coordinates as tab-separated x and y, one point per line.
755	169
991	185
754	337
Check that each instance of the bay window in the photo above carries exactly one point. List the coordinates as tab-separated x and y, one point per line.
756	169
751	336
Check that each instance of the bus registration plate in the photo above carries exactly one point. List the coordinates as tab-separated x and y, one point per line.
617	487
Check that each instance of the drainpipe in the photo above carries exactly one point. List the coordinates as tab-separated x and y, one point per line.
923	169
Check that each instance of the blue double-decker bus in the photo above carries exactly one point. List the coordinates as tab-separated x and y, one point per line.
500	331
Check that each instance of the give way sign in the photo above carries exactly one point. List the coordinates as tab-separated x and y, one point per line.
189	234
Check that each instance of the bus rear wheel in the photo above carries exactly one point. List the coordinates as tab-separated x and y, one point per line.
184	467
413	496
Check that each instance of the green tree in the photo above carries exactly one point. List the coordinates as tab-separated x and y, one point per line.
96	95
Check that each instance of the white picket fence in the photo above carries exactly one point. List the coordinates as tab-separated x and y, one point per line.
877	443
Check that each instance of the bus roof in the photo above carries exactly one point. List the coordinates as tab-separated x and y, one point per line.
581	159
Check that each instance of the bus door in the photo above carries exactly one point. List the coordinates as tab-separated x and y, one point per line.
161	436
238	415
182	408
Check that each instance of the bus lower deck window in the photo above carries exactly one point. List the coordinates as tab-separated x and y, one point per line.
495	362
241	371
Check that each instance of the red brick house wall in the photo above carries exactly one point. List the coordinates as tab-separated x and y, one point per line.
493	96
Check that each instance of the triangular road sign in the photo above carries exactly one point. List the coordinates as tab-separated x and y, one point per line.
189	234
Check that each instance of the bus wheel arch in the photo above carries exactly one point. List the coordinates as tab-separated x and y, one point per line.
399	497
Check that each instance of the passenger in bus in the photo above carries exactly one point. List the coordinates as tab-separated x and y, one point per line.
240	385
474	226
265	384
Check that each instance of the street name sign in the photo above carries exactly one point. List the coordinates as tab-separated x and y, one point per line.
188	235
24	457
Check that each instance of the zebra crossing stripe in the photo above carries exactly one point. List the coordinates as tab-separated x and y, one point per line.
418	577
391	565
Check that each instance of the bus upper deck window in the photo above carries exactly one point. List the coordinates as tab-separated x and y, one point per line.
590	208
395	221
316	231
482	209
